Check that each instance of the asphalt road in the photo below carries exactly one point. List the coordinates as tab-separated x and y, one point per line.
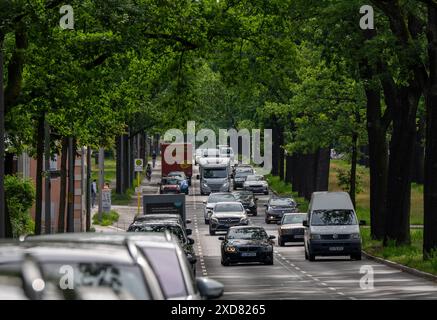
291	276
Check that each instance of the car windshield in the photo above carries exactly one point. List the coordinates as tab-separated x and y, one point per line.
244	195
247	234
228	207
254	178
215	173
199	152
214	198
126	281
176	174
171	181
226	151
212	153
293	219
174	229
283	202
166	265
244	173
333	218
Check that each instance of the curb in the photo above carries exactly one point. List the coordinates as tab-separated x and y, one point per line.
395	265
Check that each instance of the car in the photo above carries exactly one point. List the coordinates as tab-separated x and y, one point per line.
162	216
332	227
248	201
121	270
166	257
226	215
213	199
276	207
182	176
246	244
290	228
256	184
174	228
240	176
170	185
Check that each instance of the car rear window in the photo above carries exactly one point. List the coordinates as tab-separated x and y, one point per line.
214	198
166	265
228	207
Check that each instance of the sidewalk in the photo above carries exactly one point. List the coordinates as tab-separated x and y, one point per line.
127	213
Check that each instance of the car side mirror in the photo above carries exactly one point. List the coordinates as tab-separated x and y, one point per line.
272	237
209	288
191	241
221	238
204	202
188	221
159	183
363	222
189	232
278	223
266	206
305	223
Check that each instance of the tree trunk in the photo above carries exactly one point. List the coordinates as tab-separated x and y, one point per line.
418	169
281	155
288	168
39	173
119	167
63	191
88	190
430	187
353	172
323	161
400	162
71	172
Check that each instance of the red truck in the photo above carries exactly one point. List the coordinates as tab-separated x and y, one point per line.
177	157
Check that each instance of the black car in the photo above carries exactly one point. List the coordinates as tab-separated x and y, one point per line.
246	244
173	227
277	207
240	176
248	201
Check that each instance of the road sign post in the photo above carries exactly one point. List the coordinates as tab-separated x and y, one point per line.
138	169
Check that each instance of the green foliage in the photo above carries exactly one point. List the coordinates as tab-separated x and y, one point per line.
108	218
344	179
20	195
284	189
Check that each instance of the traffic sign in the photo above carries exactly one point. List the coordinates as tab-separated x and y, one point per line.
139	165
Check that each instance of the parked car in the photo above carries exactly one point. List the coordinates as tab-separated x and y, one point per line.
240	176
290	228
278	206
332	226
169	185
226	215
118	269
174	228
256	184
166	257
246	244
248	201
213	199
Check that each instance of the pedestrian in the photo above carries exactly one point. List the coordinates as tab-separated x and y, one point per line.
148	172
93	192
154	158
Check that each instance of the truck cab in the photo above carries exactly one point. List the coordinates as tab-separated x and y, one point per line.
215	176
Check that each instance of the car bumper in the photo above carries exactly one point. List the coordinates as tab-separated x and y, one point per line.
223	227
238	184
292	237
236	257
209	189
334	248
273	218
257	190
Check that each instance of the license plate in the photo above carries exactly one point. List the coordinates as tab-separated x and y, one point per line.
299	236
336	248
248	254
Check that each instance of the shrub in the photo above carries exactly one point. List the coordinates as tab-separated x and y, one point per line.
108	218
20	195
344	176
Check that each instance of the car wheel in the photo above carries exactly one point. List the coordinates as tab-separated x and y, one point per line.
206	221
311	257
356	256
267	221
225	262
306	255
269	261
280	242
255	214
211	232
266	192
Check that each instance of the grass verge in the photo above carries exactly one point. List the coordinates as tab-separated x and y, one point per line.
108	218
407	255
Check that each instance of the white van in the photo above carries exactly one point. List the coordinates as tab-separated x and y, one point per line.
332	227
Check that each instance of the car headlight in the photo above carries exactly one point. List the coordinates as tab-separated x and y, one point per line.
226	184
355	236
231	249
268	248
252	203
205	185
244	220
214	219
315	236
